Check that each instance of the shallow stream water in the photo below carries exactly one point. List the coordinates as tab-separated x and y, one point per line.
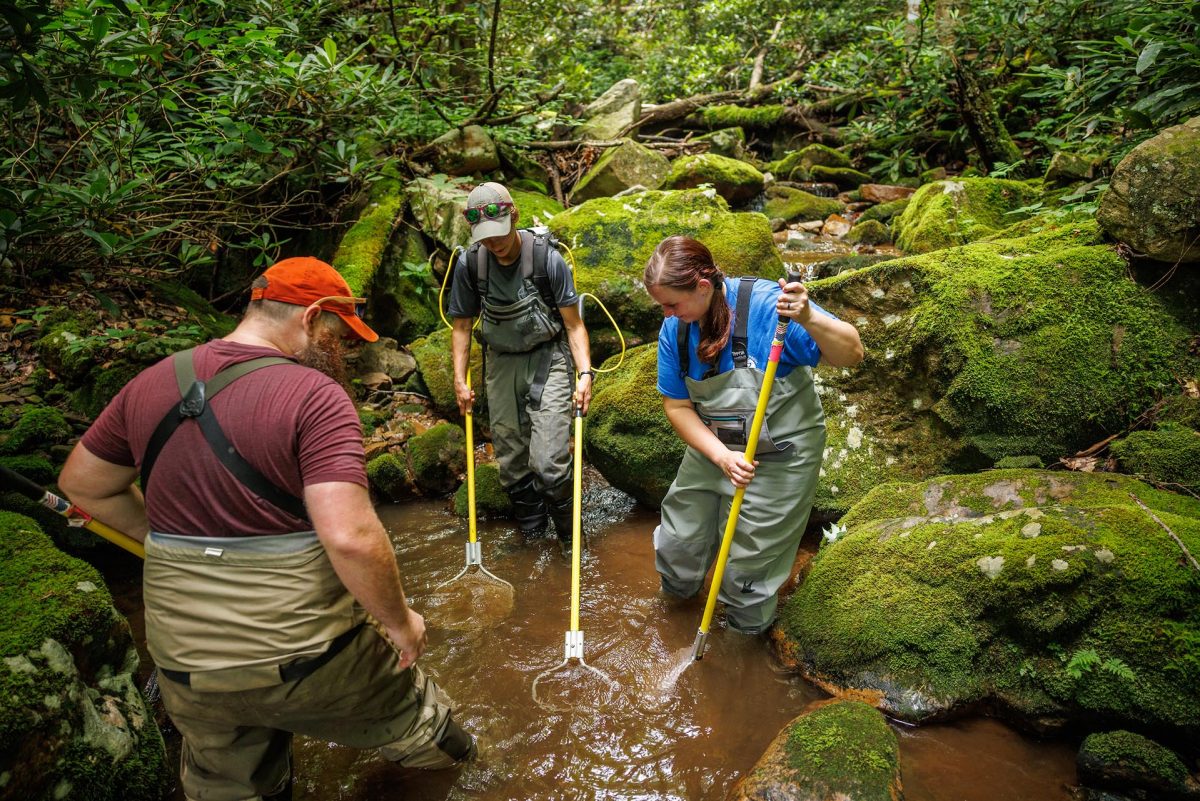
674	730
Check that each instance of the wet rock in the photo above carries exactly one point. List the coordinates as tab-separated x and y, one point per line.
1134	766
843	177
869	232
74	722
438	459
621	167
491	501
465	151
942	630
736	181
1153	199
836	226
883	193
798	164
609	115
793	204
385	356
839	751
948	213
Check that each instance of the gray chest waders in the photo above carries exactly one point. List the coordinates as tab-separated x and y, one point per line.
776	503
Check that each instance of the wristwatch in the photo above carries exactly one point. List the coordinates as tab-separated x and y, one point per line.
589	371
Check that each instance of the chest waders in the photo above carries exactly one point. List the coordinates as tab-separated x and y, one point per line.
238	613
778	421
528	378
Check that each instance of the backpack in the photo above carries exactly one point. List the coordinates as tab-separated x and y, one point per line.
533	266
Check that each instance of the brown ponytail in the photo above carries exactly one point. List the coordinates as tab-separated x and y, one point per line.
679	262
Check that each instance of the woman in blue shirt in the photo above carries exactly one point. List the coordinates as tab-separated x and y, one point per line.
712	351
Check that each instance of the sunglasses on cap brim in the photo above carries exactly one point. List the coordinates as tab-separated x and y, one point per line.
357	305
491	211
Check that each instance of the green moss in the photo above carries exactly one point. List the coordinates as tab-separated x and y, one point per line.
34	468
214	323
1170	456
968	589
361	249
884	212
437	373
752	117
1133	755
536	208
91	398
611	239
627	435
949	213
844	177
67	348
39	427
389	476
792	204
371	418
1017	462
438	457
734	180
871	232
490	498
798	164
844	749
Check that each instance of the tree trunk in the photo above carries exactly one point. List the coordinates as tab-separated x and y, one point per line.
983	122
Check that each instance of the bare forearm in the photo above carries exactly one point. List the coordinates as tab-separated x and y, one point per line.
106	492
577	340
367	566
691	429
460	348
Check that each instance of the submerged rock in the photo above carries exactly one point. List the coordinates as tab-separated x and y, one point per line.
839	751
986	617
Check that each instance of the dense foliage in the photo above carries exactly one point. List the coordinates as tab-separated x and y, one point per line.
181	137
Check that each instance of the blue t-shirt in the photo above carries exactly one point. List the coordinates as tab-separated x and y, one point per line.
798	347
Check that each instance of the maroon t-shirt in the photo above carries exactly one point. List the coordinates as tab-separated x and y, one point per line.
294	424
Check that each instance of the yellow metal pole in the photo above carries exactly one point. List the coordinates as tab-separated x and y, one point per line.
760	413
576	520
470	469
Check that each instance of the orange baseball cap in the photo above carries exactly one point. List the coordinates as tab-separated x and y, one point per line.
303	281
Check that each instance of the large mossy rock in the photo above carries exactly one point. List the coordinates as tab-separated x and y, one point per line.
438	203
1052	597
389	266
491	500
1034	345
1169	456
1128	763
948	213
437	371
611	239
72	721
622	167
791	204
438	458
1153	198
841	750
798	164
736	181
627	435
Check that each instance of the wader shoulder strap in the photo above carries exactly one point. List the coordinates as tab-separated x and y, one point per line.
195	405
741	319
682	329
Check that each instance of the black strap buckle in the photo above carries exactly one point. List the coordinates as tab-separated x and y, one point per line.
193	402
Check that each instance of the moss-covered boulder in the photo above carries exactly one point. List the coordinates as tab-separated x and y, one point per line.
38	428
1153	198
798	164
490	498
1125	762
622	167
869	232
436	368
438	458
612	238
437	204
465	151
1168	456
885	212
1051	597
844	177
1069	168
736	181
791	204
840	750
389	266
627	436
72	721
391	477
948	213
1036	345
746	117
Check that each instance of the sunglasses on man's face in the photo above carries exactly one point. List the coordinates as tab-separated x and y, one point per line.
491	211
344	304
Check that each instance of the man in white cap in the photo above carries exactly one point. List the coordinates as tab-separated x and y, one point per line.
537	354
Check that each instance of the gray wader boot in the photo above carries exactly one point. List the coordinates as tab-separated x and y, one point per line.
776	505
561	503
529	508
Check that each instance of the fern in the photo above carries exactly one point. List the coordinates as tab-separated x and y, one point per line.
1118	668
1081	662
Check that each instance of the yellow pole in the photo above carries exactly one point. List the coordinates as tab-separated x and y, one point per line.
576	520
470	468
760	413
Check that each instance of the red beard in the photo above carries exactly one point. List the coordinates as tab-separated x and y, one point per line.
326	353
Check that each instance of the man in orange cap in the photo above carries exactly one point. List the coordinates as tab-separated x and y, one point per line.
273	600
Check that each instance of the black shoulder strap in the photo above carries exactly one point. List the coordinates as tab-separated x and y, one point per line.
542	243
479	276
195	405
741	319
682	330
